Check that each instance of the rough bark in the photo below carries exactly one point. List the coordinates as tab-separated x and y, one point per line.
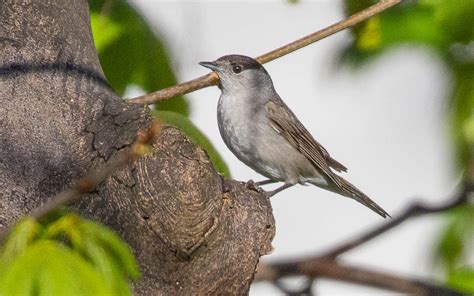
192	232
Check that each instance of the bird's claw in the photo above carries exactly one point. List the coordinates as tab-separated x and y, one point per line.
250	184
269	194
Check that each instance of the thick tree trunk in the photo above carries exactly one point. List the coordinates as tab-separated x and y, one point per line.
191	232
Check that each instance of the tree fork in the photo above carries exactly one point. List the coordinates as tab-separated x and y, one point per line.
60	120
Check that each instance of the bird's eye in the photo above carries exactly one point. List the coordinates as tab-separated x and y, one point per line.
237	69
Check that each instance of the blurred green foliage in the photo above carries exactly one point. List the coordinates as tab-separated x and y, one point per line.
447	28
65	255
454	247
131	53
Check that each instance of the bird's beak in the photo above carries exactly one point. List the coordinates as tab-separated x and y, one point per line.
210	65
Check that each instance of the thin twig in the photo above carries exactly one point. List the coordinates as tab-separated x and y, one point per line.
328	31
332	269
327	266
415	210
212	79
91	181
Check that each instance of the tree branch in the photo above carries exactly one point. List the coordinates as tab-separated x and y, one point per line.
332	269
188	236
327	266
90	182
212	79
415	210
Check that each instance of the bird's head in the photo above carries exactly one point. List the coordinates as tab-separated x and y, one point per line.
239	73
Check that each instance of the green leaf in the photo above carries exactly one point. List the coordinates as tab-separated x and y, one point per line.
463	112
67	227
446	27
106	264
21	237
406	23
46	268
104	37
450	247
454	17
437	24
462	279
100	246
442	25
185	125
94	249
130	52
119	252
456	238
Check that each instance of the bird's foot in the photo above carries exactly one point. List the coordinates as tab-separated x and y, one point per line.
250	184
271	193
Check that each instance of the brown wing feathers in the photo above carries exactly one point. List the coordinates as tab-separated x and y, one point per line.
295	133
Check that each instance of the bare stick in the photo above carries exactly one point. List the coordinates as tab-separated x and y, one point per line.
89	183
415	210
334	270
212	79
327	266
328	31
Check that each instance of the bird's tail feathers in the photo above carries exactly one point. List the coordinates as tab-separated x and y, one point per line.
336	165
349	190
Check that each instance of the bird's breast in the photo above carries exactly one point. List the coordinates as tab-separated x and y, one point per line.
234	119
248	133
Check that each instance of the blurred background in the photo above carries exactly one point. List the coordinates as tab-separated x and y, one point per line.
392	99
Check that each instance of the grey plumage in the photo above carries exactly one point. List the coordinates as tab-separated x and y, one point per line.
258	127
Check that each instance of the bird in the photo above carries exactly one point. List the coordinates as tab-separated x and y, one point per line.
262	132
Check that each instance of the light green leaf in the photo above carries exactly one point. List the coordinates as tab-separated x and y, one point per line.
450	246
456	238
463	112
66	226
406	23
118	252
46	268
131	53
21	237
462	279
108	266
87	236
443	26
95	250
437	24
105	30
454	17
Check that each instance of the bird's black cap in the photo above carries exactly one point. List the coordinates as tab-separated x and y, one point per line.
244	61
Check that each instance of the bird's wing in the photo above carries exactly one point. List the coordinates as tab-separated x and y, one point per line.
286	124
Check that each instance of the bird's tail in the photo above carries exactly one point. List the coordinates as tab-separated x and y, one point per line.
347	189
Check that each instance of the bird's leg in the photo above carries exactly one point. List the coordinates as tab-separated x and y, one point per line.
250	184
265	182
281	188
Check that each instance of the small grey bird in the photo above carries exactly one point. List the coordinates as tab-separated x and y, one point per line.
258	127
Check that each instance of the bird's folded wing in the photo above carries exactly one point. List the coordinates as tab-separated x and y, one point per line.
287	125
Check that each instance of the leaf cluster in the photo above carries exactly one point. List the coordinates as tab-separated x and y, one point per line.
65	255
446	27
